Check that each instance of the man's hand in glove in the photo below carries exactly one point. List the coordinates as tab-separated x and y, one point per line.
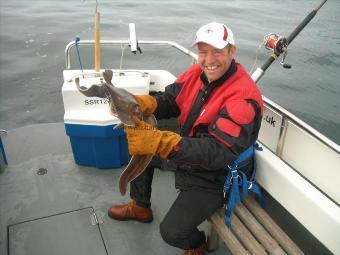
145	139
147	104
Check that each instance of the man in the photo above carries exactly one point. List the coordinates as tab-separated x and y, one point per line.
219	109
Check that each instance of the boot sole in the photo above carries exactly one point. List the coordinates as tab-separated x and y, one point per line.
135	219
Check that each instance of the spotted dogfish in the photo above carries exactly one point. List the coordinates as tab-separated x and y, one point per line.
125	107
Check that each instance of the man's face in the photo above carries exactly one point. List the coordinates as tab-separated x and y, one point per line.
214	62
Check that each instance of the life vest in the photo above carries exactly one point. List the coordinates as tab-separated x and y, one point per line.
238	86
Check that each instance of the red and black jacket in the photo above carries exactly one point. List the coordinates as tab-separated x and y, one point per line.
218	121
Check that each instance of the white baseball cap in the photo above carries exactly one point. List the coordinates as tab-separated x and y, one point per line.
215	34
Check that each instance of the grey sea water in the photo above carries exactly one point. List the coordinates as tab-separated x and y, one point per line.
33	36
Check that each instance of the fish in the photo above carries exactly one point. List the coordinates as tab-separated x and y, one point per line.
124	106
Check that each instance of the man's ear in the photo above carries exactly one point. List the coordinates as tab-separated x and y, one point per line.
233	51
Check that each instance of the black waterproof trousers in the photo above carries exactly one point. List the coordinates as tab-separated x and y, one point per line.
190	209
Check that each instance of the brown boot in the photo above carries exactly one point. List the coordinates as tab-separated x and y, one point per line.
198	251
130	211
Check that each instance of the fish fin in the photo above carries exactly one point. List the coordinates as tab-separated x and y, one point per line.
94	90
107	74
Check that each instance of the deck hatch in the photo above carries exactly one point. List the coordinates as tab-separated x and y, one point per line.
65	233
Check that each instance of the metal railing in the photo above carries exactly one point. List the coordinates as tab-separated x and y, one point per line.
124	44
288	116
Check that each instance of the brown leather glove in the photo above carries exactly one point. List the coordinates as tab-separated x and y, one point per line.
145	139
147	104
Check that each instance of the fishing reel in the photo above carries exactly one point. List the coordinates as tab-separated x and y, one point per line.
278	44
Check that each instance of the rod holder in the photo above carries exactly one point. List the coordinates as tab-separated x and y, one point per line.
133	38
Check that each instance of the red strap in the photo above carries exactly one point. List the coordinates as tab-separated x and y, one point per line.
176	148
228	127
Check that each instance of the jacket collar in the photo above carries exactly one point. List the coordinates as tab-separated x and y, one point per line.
232	69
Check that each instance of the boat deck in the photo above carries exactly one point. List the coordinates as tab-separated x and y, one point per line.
47	200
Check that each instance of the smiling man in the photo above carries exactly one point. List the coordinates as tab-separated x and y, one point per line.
219	109
215	55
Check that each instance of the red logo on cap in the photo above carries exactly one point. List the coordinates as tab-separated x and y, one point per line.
209	30
225	36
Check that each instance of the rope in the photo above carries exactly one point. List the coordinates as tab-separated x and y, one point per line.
256	57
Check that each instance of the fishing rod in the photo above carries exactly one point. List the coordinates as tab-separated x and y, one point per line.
279	44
